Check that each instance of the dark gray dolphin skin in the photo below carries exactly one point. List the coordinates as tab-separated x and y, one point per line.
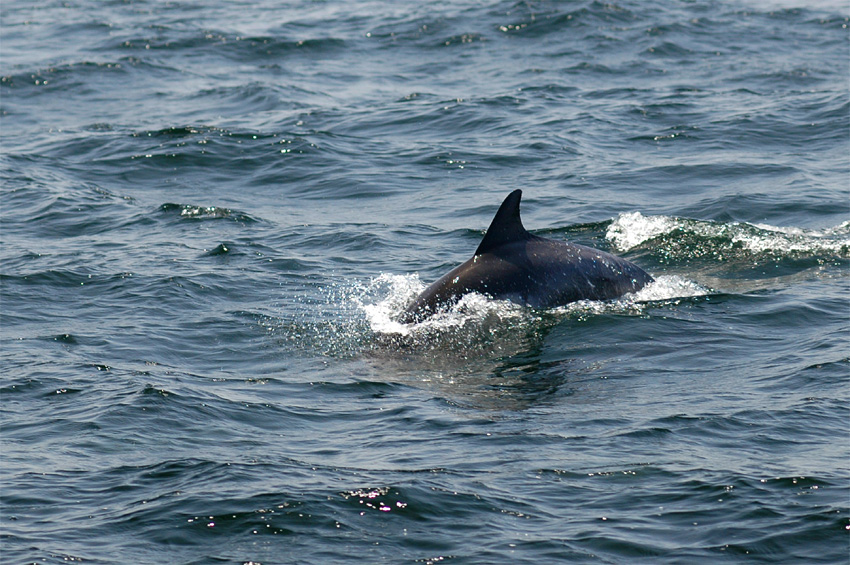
512	264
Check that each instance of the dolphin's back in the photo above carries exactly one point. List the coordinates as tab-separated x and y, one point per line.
512	264
565	272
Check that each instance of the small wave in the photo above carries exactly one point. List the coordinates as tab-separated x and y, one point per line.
222	43
59	78
190	212
206	132
188	146
534	24
632	229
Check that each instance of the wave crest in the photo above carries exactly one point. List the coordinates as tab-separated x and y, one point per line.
687	238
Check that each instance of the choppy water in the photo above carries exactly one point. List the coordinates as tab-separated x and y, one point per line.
211	213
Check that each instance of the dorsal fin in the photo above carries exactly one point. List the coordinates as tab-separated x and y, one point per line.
506	225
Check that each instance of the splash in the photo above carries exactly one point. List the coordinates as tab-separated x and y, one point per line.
392	294
386	296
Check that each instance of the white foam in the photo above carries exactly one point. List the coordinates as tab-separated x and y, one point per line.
795	240
669	287
630	229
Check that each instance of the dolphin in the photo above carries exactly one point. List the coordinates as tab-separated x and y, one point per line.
513	264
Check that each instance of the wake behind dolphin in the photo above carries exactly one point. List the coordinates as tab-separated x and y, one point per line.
512	264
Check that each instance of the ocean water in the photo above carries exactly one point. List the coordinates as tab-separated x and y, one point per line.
212	213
